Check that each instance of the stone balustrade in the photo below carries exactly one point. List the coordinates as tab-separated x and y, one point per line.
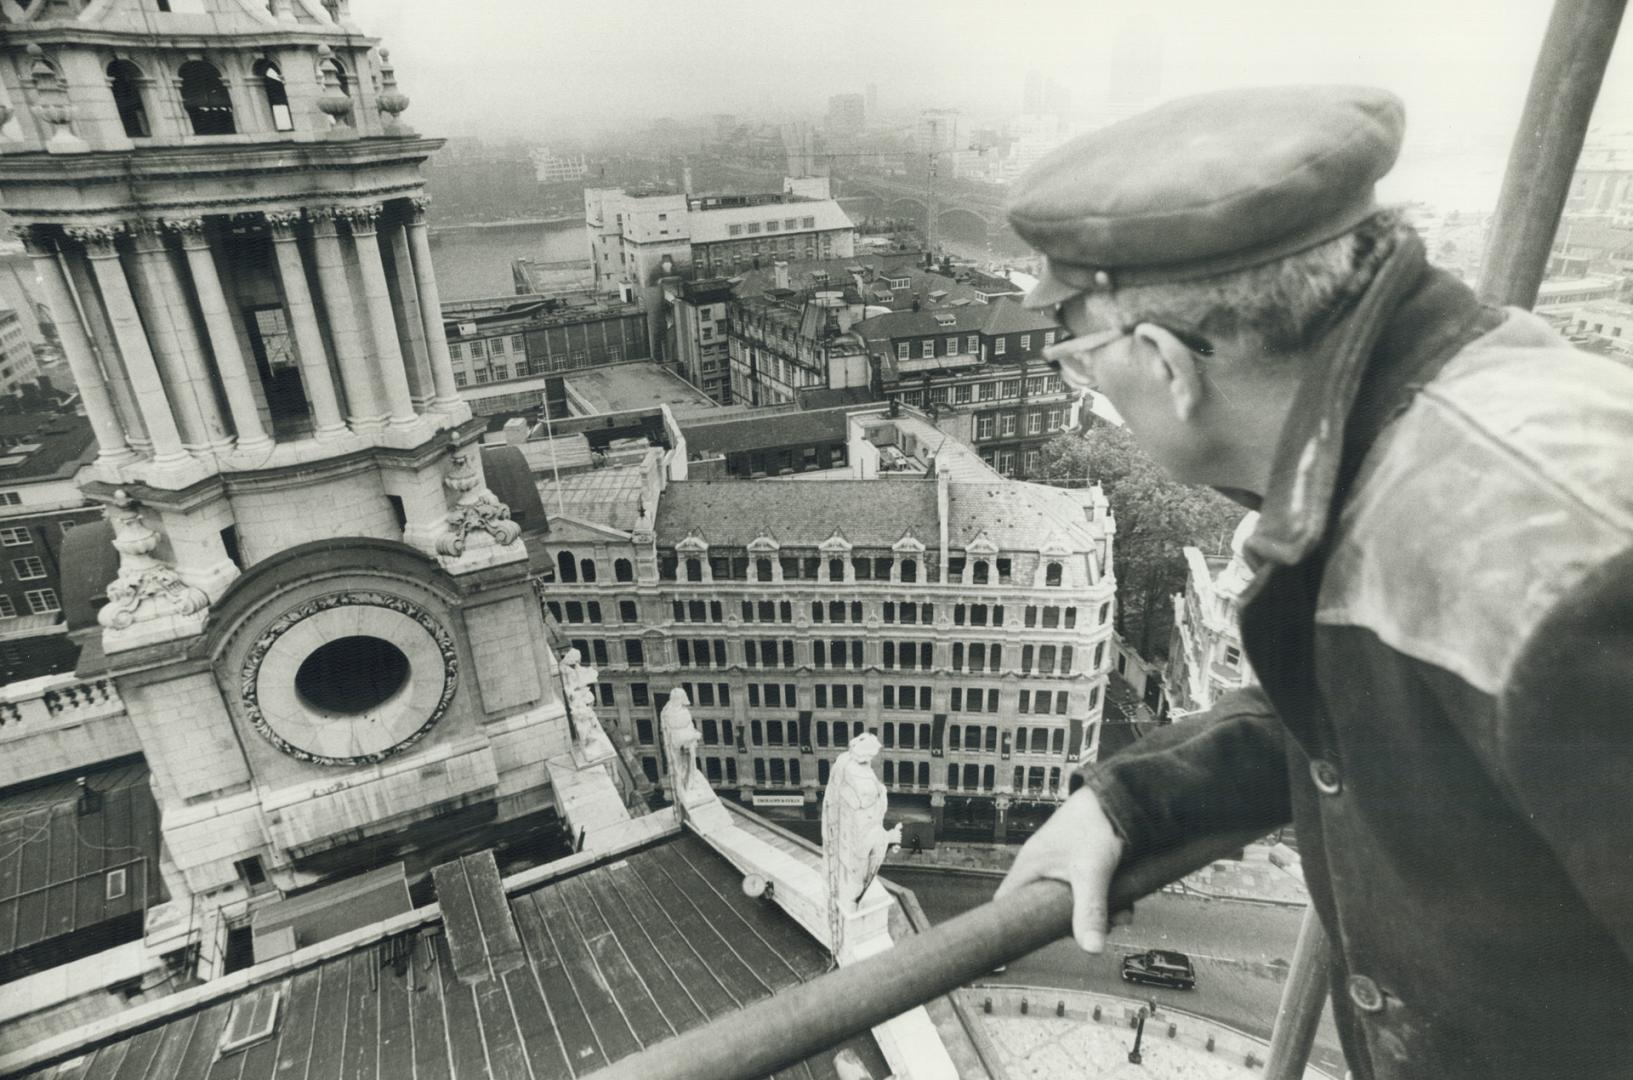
60	722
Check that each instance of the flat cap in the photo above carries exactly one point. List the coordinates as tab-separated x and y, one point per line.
1205	185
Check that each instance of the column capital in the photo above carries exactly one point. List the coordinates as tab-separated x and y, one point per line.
147	233
98	239
282	223
324	219
418	204
190	229
362	219
33	240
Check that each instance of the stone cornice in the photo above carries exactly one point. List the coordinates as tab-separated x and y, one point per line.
57	34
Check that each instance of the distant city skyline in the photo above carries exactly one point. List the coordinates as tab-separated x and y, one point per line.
1462	67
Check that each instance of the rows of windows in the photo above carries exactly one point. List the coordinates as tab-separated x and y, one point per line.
979	614
698	611
907	697
841	695
726	567
40	602
973	699
701	652
707	695
768	611
981	656
769	652
773	695
836	611
909	613
1040	701
908	655
838	653
570	569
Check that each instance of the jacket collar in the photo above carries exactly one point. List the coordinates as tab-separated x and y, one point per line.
1404	326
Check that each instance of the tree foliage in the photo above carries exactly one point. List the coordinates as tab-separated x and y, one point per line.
1157	518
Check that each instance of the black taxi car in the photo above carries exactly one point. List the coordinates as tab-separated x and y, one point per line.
1160	967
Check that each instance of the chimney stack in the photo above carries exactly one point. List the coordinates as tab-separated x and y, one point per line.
779	272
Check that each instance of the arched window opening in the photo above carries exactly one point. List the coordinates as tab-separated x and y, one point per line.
1052	574
910	571
623	570
587	569
567	566
694	570
277	97
762	569
124	79
981	571
836	569
205	98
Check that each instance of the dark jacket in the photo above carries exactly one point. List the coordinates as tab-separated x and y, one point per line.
1442	625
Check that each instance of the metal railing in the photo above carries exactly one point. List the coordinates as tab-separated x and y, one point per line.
780	1031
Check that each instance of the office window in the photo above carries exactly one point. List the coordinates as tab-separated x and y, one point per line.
16	537
28	568
627	611
999	345
634	655
927	348
41	601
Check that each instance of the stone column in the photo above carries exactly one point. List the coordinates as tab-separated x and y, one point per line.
442	368
1000	821
410	323
377	297
95	314
175	342
363	410
218	323
126	322
76	346
327	421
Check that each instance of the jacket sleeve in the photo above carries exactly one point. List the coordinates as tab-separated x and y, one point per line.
1218	772
1564	746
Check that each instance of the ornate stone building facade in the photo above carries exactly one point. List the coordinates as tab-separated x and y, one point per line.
963	619
320	622
1205	655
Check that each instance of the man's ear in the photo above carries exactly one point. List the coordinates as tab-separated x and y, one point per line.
1175	365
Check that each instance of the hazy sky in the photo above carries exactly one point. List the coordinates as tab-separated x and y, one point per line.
537	67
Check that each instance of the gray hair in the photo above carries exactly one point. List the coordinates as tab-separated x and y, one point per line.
1285	306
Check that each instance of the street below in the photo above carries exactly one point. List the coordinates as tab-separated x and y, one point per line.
1240	951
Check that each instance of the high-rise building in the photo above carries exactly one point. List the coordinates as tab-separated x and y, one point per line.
18	367
316	623
847	113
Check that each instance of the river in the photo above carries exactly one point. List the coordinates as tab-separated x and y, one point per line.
475	262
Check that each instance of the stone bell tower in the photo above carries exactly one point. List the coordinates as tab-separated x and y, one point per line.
321	623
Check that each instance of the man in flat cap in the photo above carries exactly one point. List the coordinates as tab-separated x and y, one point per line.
1442	611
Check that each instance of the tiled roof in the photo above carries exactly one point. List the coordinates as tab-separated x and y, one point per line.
930	321
613	960
55	860
765	432
869	513
1009	317
1017	516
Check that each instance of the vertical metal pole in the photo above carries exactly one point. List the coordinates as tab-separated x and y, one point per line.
1301	1002
1564	86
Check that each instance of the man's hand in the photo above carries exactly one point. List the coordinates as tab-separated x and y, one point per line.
1076	845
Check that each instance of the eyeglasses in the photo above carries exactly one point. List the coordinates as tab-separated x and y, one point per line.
1195	342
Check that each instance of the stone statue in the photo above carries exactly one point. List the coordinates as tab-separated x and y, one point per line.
854	837
579	683
680	739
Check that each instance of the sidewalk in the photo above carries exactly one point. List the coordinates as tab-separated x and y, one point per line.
1267	874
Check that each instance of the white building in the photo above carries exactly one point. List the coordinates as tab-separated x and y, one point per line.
17	364
551	167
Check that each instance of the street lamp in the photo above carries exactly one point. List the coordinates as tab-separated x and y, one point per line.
1139	1033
